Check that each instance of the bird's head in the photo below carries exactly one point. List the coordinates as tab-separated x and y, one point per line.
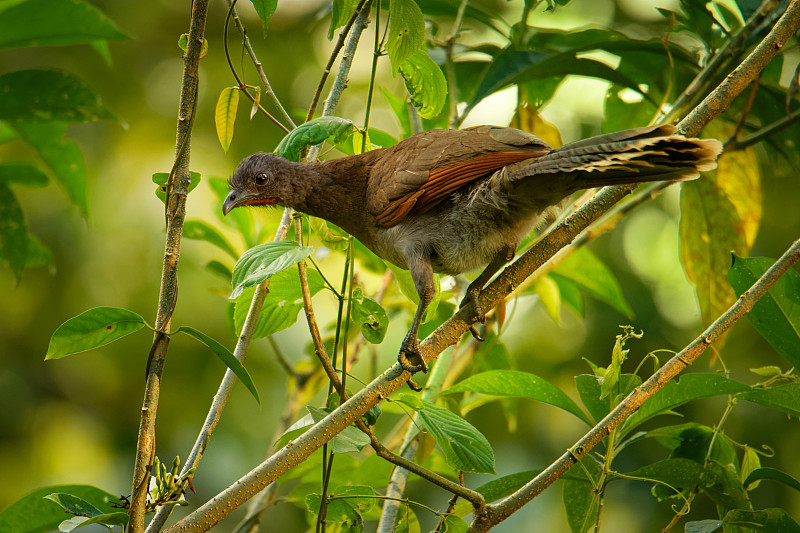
259	180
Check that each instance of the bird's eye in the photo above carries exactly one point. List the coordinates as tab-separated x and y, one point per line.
261	178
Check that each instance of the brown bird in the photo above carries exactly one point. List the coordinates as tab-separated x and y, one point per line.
454	201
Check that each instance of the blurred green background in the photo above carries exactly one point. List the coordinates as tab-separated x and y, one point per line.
76	420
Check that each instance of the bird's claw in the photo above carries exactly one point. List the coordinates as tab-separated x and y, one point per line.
411	359
475	334
472	297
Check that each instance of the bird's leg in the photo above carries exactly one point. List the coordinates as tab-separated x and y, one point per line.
504	255
410	357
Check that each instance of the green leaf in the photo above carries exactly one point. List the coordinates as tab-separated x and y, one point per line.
407	287
580	496
679	474
465	448
703	526
92	329
55	23
265	10
406	31
183	44
7	133
425	83
589	389
199	230
372	318
225	356
772	474
160	179
314	132
47	96
23	174
690	387
776	316
341	12
265	260
763	521
62	157
521	385
281	305
785	398
14	237
709	230
35	514
74	504
593	276
345	504
225	115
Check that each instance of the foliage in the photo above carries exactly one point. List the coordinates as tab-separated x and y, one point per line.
706	475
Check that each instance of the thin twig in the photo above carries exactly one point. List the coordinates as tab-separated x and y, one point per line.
260	69
763	133
168	294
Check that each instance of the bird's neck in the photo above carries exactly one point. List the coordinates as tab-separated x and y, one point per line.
335	190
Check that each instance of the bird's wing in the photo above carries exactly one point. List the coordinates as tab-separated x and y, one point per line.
416	174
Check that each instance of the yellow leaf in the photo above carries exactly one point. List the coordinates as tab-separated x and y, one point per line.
225	115
549	296
739	178
528	119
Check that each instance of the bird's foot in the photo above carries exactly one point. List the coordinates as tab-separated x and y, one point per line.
410	357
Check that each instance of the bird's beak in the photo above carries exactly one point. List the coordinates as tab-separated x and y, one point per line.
234	199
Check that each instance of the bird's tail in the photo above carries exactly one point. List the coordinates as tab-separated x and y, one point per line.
652	153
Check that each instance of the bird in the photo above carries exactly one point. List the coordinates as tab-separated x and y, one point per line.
455	201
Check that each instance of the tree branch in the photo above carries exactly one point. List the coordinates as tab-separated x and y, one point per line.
168	294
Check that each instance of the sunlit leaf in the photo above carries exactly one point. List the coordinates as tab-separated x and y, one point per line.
465	448
739	179
313	132
199	230
225	115
425	83
709	229
225	356
262	261
406	31
549	296
776	315
183	44
92	329
341	12
47	96
265	10
521	385
55	23
160	179
527	118
74	504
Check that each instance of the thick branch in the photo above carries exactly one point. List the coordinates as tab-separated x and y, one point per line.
176	211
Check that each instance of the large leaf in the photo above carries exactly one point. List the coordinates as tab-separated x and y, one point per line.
262	261
406	31
22	174
35	514
675	393
92	329
710	228
465	448
772	474
776	316
225	356
521	385
739	179
281	305
13	232
54	23
313	132
593	276
425	83
785	398
62	157
341	11
225	115
763	521
49	95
